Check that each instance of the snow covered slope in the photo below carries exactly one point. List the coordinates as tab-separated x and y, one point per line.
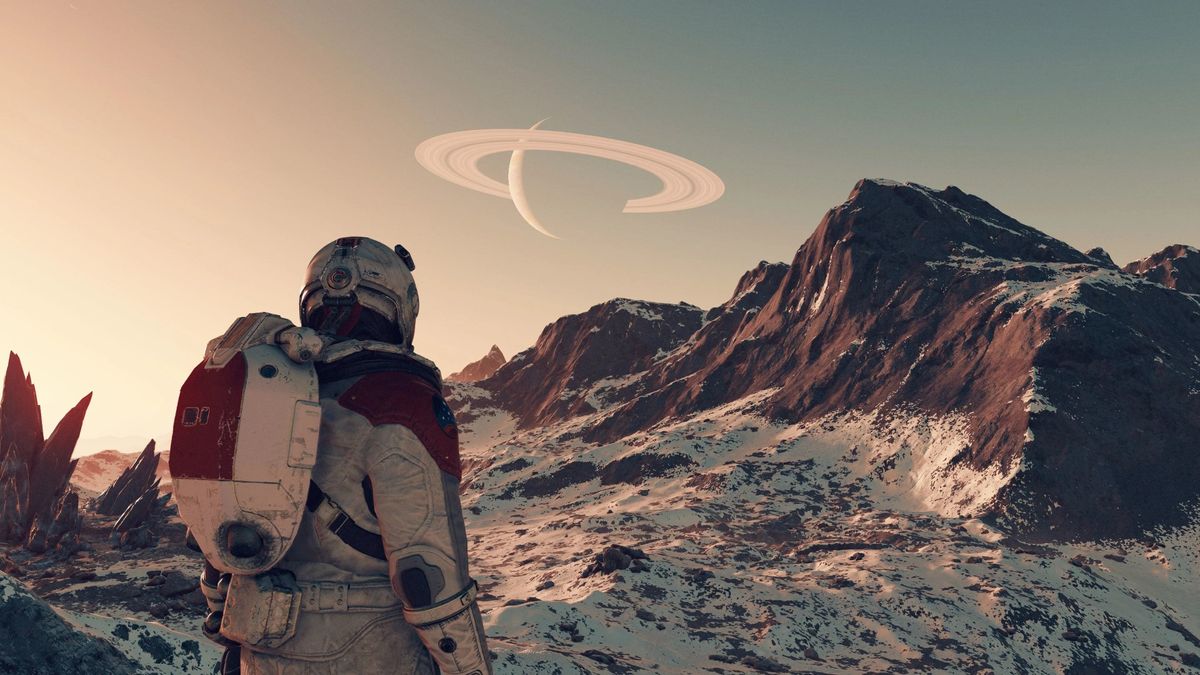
842	545
1076	380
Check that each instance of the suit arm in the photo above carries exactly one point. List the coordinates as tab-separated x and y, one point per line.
420	517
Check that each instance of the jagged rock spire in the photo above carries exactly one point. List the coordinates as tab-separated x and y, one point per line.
20	415
52	472
481	369
34	472
131	484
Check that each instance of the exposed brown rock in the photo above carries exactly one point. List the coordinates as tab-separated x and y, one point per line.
934	302
1101	256
94	473
58	528
573	356
1176	266
20	414
138	537
14	500
613	558
481	369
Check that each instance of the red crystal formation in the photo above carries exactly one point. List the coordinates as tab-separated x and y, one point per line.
36	508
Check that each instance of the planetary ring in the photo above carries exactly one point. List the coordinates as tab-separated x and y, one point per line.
455	157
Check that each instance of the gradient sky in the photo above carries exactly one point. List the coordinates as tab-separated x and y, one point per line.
166	167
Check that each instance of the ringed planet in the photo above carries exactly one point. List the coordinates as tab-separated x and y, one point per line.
456	156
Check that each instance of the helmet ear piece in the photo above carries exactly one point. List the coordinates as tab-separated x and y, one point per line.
406	257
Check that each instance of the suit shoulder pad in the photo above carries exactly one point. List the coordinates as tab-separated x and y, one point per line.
408	400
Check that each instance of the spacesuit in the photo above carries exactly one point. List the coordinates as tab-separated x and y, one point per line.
379	562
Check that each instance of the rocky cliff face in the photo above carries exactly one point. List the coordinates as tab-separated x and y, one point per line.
481	369
1176	266
581	359
1078	383
134	497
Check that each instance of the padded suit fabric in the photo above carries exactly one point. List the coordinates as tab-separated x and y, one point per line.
408	400
419	516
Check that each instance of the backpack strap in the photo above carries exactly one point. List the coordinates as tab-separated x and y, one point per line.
341	524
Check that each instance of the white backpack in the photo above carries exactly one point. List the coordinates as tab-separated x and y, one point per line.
244	445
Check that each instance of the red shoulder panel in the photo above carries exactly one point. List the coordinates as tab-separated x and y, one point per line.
408	400
206	421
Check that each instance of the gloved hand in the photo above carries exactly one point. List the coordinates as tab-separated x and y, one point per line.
301	344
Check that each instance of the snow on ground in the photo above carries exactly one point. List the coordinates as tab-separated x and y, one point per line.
1033	398
639	308
78	640
845	545
153	646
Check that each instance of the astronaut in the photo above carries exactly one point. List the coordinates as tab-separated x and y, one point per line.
379	562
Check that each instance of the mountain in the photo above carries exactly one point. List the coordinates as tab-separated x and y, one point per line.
478	370
580	359
1056	363
938	440
95	472
1176	266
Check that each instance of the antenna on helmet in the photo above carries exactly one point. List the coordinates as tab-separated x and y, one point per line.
406	257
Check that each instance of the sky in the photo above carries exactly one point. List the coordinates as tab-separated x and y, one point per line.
167	167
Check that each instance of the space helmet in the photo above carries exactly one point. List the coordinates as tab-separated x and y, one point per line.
356	282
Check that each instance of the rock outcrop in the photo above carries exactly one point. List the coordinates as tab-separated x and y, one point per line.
1079	382
584	356
60	530
94	473
481	369
1176	266
35	473
37	640
134	497
132	484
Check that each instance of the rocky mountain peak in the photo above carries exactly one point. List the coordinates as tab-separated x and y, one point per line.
1176	266
581	352
481	369
912	220
931	302
1102	257
756	286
